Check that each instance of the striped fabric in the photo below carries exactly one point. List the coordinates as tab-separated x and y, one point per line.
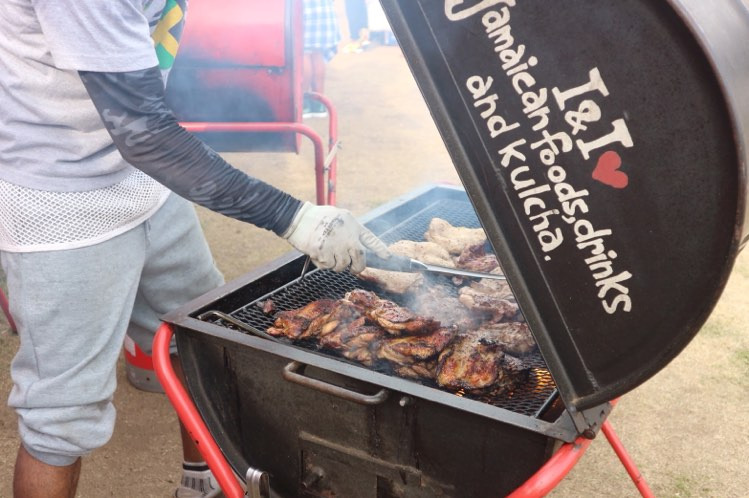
321	31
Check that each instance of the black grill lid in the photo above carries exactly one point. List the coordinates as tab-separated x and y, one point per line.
603	147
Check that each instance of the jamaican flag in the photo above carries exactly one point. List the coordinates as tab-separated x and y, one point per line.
168	31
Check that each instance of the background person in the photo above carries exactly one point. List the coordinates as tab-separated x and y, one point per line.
379	27
358	24
321	38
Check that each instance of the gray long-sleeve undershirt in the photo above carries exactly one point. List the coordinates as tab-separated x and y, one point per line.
148	136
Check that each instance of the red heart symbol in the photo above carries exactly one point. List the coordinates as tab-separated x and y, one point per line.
607	170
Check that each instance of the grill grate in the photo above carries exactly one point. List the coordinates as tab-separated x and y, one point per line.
528	399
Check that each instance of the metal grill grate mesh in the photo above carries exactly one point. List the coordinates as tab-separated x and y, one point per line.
528	399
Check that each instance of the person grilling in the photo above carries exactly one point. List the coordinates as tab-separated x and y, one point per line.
98	236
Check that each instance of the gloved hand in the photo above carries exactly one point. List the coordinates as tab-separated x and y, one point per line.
333	238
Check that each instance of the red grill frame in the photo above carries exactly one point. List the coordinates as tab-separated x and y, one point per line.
324	194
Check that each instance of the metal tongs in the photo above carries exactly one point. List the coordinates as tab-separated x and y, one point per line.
397	262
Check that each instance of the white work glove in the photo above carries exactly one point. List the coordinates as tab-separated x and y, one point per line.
333	238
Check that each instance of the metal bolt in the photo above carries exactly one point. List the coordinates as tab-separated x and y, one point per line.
314	474
405	401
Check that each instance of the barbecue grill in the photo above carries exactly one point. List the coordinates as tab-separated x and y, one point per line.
219	342
613	191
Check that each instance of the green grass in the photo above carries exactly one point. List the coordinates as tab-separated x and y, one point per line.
741	268
683	487
713	328
742	357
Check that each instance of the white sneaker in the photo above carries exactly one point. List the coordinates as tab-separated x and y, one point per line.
197	482
318	110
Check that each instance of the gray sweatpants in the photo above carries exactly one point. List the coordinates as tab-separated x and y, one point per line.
73	309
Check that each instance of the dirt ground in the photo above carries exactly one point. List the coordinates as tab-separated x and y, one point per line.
687	428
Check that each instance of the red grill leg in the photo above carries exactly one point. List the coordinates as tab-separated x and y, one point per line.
629	464
189	415
332	157
553	471
560	464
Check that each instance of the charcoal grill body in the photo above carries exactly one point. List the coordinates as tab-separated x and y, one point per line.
302	436
418	441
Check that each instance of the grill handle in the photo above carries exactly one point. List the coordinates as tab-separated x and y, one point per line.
291	372
258	485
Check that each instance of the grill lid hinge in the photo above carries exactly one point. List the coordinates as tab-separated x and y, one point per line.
588	422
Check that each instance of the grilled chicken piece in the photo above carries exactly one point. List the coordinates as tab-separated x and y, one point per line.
395	282
498	307
513	337
514	372
475	258
395	319
355	341
364	299
453	239
341	314
426	252
420	370
476	363
294	323
441	303
499	288
469	364
408	350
